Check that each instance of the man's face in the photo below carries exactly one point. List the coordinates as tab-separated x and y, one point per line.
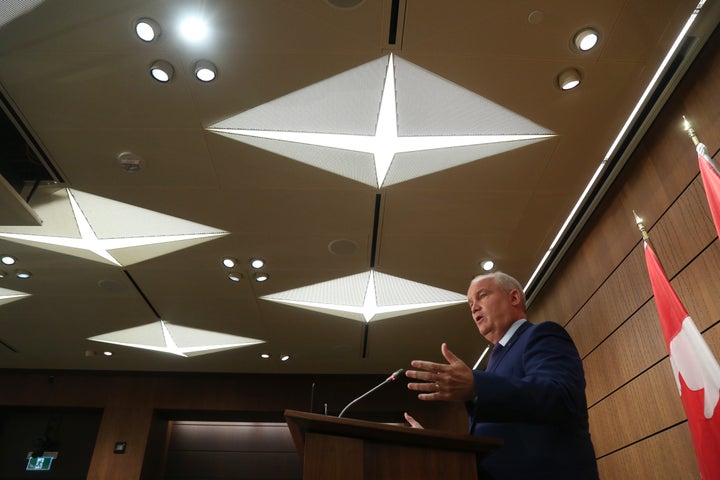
493	309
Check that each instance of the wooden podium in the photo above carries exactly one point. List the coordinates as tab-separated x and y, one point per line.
347	449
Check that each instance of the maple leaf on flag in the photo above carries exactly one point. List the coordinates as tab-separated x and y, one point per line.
696	371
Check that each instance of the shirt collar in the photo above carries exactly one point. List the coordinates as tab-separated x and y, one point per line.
511	331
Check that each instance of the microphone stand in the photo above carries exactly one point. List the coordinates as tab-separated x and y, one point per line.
390	378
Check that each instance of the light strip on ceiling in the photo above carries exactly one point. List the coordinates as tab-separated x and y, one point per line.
289	126
10	10
56	234
175	339
620	136
368	296
7	296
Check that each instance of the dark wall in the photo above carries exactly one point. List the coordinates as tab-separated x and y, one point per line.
143	410
70	432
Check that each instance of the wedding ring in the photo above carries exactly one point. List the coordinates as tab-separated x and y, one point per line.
437	387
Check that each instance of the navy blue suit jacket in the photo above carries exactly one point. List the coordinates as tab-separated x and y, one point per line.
533	398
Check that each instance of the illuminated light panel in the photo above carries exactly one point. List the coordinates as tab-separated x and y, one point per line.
383	123
96	228
368	296
7	296
12	9
168	338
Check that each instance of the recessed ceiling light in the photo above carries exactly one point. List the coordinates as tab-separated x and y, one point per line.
130	163
229	262
235	277
8	259
285	358
162	71
193	29
261	277
265	355
107	353
23	274
147	29
205	71
345	3
257	263
487	265
586	39
3	273
568	79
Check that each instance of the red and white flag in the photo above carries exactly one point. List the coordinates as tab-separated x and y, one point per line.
711	179
696	370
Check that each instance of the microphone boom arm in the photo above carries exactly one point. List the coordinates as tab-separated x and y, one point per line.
391	377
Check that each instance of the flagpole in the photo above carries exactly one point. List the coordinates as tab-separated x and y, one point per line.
641	227
691	131
710	173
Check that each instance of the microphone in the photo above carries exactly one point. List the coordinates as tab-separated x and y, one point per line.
393	376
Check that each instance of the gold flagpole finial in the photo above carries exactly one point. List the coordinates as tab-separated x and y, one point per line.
641	226
691	131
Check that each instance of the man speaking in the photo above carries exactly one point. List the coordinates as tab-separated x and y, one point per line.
532	394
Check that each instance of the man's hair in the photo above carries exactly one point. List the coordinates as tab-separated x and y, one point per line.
505	282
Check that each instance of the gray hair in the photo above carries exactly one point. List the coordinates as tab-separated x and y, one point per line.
505	282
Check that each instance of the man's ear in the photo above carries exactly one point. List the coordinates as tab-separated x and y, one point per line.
515	297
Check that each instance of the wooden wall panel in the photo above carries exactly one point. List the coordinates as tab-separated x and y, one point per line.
668	455
615	301
127	417
632	349
131	402
688	219
640	409
699	287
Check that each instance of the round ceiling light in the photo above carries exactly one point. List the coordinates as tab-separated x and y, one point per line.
162	71
205	71
130	163
261	277
147	29
257	263
586	39
194	29
229	262
23	274
487	265
568	79
8	259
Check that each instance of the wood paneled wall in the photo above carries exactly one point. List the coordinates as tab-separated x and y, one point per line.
134	405
602	294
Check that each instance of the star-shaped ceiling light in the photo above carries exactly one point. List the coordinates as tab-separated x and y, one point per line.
103	230
168	338
383	123
7	296
12	9
368	296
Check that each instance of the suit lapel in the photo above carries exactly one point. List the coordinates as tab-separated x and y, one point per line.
510	344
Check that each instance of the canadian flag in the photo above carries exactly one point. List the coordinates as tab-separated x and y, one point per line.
696	370
711	179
